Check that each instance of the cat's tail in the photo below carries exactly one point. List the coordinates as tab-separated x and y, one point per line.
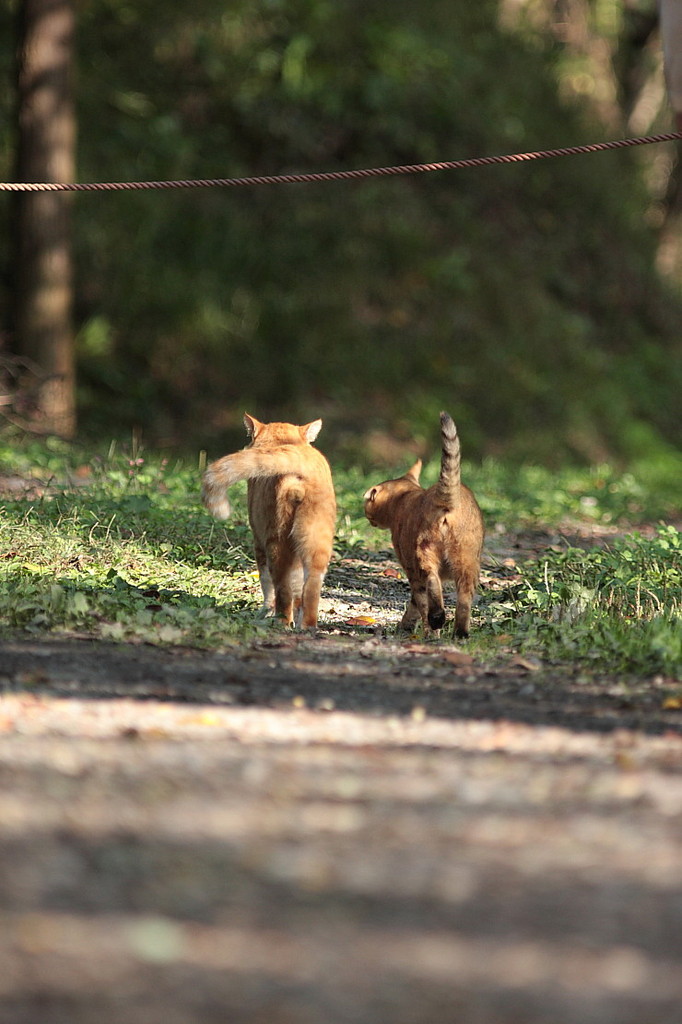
449	486
248	464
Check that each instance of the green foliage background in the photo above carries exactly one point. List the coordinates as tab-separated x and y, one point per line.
523	299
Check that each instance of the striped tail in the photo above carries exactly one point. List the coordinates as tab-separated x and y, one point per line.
248	464
448	487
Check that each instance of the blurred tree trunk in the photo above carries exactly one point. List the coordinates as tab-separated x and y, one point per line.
46	130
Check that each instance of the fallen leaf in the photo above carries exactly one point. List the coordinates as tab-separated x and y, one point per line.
393	573
501	582
530	664
672	704
457	658
154	732
361	620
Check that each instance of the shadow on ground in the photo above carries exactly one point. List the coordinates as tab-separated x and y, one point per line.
342	673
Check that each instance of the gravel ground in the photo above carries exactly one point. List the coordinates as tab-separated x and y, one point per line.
340	828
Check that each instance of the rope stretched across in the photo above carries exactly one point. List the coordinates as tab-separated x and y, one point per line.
321	176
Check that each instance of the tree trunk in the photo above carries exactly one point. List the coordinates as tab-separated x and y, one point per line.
43	293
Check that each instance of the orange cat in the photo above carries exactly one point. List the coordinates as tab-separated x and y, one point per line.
292	512
437	535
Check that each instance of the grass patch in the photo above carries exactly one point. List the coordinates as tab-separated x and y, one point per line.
617	608
127	553
116	545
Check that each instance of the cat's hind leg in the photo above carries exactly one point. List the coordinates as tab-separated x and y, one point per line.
312	587
419	606
313	539
427	591
411	616
466	588
296	582
435	615
266	584
284	581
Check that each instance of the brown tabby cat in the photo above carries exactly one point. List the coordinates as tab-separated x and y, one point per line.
437	535
292	512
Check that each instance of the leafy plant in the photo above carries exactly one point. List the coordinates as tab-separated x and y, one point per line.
618	607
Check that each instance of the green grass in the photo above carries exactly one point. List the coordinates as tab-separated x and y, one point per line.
116	545
617	608
128	554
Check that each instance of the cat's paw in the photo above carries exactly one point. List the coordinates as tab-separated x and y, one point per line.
437	618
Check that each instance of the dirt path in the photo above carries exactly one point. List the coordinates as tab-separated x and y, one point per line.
339	829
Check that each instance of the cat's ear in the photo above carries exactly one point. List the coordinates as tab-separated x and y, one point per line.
413	473
253	426
311	430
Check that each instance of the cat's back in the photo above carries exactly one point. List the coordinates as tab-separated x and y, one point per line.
421	522
318	499
412	515
305	485
460	531
432	506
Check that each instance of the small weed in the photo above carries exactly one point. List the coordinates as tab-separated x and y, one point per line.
618	607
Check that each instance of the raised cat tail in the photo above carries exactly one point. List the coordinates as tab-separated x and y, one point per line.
248	464
213	494
449	486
